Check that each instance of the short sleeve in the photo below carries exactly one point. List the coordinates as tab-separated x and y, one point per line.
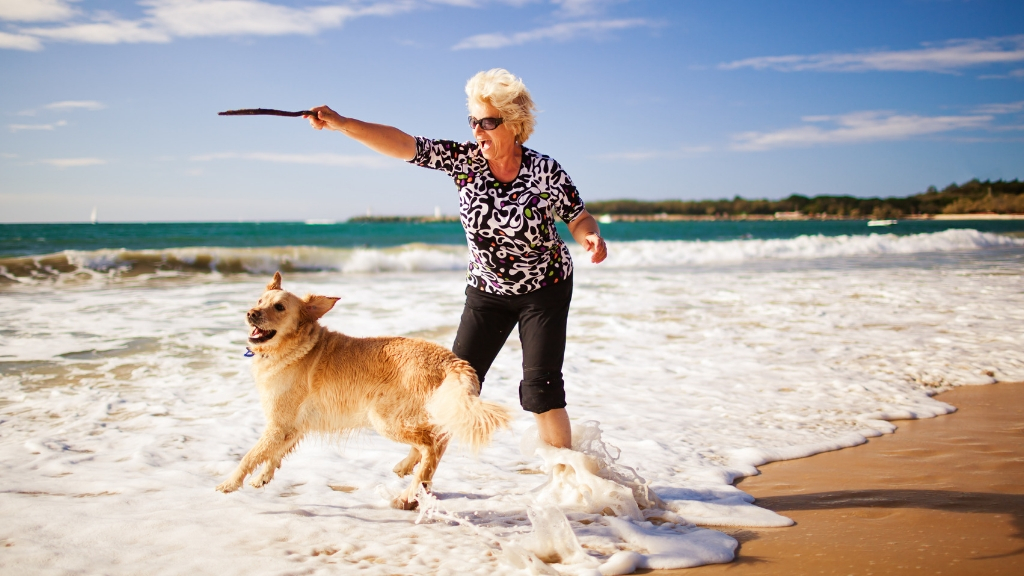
446	155
567	201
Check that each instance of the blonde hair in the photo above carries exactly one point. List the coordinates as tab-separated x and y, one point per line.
499	88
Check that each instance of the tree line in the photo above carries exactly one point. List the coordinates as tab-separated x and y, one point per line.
972	197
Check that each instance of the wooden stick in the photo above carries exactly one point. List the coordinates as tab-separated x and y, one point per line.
264	112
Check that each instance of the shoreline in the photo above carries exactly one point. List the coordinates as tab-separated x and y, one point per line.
942	495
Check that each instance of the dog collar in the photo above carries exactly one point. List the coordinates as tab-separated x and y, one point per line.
249	353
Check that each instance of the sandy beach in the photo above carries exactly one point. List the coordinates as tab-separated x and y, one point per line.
940	496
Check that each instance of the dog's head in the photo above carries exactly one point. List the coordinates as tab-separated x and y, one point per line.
279	316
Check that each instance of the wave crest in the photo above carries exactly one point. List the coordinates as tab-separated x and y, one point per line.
76	265
648	253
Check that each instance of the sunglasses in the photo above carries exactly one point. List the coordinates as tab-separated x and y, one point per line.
485	123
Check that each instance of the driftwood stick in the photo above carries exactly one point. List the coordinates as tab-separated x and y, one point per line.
264	112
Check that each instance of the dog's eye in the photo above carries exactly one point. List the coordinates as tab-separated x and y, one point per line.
279	307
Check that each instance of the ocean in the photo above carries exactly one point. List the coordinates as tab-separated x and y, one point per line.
696	352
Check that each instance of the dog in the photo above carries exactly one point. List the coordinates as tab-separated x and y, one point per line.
312	380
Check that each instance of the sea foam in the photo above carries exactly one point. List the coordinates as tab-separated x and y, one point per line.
77	266
122	406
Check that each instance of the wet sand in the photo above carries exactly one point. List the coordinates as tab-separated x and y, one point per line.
940	496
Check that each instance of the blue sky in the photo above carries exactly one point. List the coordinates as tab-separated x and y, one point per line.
112	104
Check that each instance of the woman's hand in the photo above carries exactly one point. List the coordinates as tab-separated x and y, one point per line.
586	232
596	246
326	118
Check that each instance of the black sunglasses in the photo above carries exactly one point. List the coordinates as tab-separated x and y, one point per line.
485	123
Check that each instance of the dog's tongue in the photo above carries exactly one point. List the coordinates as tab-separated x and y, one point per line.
256	332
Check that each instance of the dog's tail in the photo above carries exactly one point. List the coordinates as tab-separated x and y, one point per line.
456	408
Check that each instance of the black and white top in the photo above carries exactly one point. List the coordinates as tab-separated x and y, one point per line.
513	245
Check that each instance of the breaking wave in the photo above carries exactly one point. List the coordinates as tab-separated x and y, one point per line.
645	253
77	266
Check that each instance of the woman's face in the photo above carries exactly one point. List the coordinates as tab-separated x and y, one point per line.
496	144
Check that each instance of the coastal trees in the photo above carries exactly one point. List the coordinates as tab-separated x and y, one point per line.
974	196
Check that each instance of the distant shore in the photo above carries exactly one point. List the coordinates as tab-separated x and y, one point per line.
608	218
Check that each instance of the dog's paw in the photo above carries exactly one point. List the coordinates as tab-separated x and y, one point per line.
229	486
404	468
262	479
403	504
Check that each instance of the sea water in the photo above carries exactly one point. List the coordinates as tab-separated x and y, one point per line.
695	353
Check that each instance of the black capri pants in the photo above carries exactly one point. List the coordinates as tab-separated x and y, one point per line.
488	319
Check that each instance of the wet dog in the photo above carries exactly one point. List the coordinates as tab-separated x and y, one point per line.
315	381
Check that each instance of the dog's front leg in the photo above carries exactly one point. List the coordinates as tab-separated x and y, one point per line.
274	462
270	444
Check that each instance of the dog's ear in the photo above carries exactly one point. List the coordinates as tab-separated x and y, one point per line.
275	284
316	306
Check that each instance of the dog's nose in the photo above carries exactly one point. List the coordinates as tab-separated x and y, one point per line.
253	315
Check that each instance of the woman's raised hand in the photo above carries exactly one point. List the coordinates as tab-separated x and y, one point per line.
325	118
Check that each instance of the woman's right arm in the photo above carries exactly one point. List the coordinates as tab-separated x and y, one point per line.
387	140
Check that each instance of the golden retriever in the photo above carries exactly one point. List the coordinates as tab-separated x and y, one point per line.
313	380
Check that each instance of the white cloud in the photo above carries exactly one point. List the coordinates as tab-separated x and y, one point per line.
856	127
240	17
20	127
108	32
73	162
165	20
75	104
947	56
581	7
20	42
1017	74
35	10
322	159
1008	108
558	32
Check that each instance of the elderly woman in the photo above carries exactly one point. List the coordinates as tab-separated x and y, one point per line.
519	270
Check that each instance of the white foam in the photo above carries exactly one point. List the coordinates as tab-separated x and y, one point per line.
122	407
650	253
103	265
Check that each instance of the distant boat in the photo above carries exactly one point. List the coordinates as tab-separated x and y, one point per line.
881	222
320	222
92	217
605	219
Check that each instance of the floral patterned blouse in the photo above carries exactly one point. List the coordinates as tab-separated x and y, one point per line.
513	245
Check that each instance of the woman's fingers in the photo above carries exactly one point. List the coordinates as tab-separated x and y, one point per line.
597	248
324	118
600	253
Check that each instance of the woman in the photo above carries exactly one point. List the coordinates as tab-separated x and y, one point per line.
520	270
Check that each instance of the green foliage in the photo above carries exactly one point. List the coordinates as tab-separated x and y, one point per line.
1002	197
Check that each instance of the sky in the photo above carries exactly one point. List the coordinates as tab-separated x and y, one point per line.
113	105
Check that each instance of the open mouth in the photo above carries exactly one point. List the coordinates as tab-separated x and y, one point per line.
258	335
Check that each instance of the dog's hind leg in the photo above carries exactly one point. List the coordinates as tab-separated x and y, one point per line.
430	456
404	468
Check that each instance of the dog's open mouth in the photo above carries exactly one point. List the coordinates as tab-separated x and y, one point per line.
258	335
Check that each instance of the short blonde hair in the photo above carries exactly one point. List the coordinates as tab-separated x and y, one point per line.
499	88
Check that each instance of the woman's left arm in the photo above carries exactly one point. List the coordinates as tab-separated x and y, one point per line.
586	232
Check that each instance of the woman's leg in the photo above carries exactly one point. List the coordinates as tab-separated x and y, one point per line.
553	427
542	324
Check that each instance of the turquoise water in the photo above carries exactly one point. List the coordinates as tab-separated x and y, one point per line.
17	240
